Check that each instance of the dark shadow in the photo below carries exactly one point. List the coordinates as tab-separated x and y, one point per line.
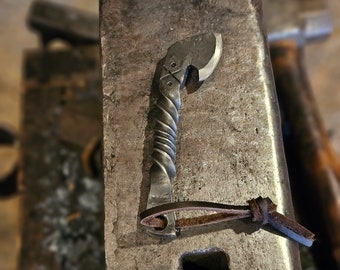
210	259
308	209
9	183
7	136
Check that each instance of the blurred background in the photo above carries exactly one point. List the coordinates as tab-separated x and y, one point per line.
322	63
16	38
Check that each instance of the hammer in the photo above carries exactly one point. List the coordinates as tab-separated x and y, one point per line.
53	20
312	163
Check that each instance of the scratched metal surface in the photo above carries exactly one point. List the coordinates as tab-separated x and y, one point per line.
229	141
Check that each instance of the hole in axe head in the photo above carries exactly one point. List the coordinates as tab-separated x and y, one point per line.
192	81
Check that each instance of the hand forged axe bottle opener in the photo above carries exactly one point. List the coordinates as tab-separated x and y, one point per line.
187	64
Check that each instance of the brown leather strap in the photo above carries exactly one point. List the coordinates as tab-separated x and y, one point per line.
261	210
154	217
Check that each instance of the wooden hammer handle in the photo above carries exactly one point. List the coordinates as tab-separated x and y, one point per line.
315	153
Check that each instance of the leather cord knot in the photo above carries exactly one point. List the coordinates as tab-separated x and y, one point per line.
260	209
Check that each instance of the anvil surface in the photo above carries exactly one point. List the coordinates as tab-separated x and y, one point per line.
229	140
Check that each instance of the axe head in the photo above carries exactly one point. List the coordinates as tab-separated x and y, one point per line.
194	59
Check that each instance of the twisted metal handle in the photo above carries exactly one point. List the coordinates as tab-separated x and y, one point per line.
163	169
165	130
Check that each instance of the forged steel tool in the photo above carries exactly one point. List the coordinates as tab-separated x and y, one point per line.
187	64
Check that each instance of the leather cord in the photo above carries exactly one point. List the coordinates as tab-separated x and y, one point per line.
260	210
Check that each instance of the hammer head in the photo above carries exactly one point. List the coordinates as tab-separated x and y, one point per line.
194	59
300	20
